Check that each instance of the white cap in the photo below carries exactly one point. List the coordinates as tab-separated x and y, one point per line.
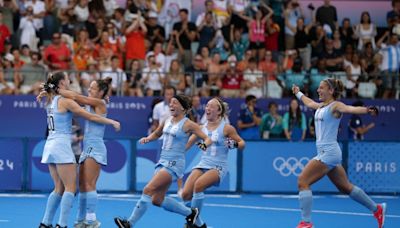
153	14
9	57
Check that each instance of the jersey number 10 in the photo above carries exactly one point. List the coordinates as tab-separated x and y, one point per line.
50	123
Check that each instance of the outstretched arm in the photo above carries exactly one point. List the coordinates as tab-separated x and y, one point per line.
154	135
82	100
306	101
342	108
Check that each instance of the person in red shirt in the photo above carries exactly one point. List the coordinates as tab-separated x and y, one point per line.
57	55
4	33
135	40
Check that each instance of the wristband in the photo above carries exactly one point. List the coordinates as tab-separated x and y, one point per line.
202	146
299	95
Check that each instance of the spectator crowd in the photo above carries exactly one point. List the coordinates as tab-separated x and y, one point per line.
234	48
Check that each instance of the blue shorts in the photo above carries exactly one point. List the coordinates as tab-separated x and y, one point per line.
95	149
329	154
58	151
175	168
222	170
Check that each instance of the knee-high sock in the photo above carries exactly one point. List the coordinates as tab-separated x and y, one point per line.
91	206
172	205
305	198
140	208
51	207
82	207
66	205
361	197
197	202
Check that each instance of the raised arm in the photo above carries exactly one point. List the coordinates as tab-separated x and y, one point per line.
80	99
306	101
78	110
154	135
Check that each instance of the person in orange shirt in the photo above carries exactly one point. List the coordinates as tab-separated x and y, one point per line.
79	59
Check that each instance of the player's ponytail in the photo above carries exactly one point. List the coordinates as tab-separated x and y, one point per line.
53	81
336	85
104	85
185	101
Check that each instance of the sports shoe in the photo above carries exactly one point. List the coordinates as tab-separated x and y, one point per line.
94	224
203	226
191	219
122	223
42	225
304	224
79	224
380	213
58	226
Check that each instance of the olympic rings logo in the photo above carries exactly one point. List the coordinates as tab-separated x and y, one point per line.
290	166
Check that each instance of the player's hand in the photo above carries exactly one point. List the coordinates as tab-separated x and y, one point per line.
107	99
116	125
144	140
202	146
41	95
373	110
295	89
231	144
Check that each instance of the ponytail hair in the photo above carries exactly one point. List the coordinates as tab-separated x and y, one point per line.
104	85
336	85
53	80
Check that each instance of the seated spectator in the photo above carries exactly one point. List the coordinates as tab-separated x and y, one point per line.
83	42
153	78
294	122
57	55
348	55
32	75
295	76
118	76
311	127
25	54
353	72
157	51
231	80
176	78
90	74
104	50
268	67
205	54
9	79
239	43
316	76
249	118
215	72
79	59
367	56
171	53
196	77
271	126
337	42
17	62
244	63
253	80
334	59
135	79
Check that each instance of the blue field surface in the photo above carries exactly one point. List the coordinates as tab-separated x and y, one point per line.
219	211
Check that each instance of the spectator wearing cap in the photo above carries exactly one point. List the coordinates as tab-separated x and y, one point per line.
4	33
57	55
135	40
186	31
232	80
32	75
155	32
9	79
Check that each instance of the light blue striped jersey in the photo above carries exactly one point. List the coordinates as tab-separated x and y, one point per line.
217	152
174	140
58	123
326	125
94	130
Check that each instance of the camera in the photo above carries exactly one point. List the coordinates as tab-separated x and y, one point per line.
311	6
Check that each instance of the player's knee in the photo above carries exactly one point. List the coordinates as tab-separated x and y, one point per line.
87	186
149	190
302	183
186	195
198	187
345	188
157	200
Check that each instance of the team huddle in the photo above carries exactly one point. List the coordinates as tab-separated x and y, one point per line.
214	139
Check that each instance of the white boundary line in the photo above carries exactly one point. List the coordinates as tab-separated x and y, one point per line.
3	220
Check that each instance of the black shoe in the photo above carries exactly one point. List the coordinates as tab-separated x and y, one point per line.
45	226
191	219
122	223
203	226
58	226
